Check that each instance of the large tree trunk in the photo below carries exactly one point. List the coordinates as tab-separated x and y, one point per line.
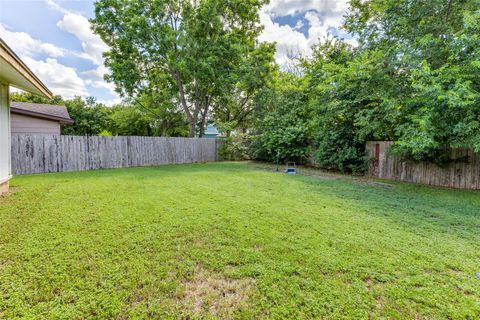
203	121
164	128
192	118
192	128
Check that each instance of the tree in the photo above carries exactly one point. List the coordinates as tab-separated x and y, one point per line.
431	52
414	78
91	118
165	117
128	121
192	46
32	98
234	109
351	95
283	121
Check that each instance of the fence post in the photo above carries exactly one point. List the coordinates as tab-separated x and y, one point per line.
462	171
47	153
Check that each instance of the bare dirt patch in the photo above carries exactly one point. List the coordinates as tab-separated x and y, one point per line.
211	294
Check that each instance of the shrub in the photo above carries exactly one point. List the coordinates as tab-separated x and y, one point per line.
234	148
284	134
336	150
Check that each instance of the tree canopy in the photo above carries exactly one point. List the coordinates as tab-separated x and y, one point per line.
429	52
413	78
194	49
125	119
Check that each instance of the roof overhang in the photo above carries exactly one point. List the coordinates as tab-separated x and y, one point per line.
14	72
41	115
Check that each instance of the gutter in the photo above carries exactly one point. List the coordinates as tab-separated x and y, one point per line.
42	115
16	63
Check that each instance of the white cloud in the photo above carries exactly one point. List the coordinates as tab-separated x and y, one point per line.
321	17
289	41
110	102
23	44
60	79
76	24
103	85
79	26
100	84
318	28
94	79
55	6
93	49
299	25
291	7
96	74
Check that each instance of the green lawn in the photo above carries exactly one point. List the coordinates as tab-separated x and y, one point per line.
235	240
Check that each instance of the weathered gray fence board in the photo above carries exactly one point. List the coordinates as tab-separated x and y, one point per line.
53	153
457	174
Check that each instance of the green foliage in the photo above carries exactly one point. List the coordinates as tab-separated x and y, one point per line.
336	149
129	121
346	100
354	101
105	133
91	118
234	147
283	129
414	79
82	246
430	52
32	98
164	117
195	50
234	109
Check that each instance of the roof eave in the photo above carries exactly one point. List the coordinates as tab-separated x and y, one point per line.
22	77
41	115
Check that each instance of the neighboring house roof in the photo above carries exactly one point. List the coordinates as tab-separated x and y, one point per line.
40	110
211	130
16	73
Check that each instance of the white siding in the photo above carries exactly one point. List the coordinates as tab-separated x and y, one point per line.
4	134
31	125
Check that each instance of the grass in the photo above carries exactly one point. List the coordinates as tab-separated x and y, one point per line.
234	240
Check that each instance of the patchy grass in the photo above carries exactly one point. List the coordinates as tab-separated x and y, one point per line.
208	294
234	240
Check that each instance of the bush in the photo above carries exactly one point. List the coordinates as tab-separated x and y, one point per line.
284	134
336	150
234	148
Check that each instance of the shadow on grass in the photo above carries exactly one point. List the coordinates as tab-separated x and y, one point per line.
417	207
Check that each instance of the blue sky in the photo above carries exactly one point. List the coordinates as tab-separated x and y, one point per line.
54	39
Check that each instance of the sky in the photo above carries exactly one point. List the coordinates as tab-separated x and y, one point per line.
53	37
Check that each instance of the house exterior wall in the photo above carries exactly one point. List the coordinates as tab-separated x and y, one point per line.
4	138
31	125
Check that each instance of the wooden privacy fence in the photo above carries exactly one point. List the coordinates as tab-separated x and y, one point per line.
54	153
463	172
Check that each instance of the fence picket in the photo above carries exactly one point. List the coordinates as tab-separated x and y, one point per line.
53	153
457	174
